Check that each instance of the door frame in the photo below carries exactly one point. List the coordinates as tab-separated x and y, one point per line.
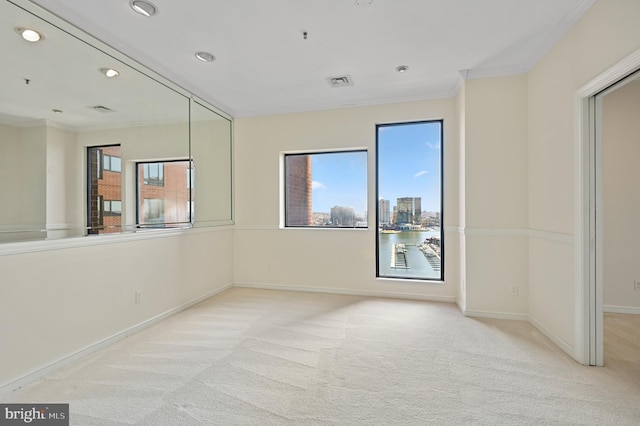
589	347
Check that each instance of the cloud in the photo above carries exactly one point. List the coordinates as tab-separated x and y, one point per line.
420	173
432	145
317	185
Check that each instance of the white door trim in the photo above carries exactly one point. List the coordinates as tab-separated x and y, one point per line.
588	247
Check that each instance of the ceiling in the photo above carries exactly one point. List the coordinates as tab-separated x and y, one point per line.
264	64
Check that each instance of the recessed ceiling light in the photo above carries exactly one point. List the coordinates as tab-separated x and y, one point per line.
109	72
402	68
29	34
57	111
144	7
205	57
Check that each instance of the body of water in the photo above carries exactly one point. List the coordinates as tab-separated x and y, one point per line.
419	265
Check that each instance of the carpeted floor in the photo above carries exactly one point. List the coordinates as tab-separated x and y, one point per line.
259	357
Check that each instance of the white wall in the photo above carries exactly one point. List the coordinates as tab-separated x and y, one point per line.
64	184
621	197
57	302
60	297
9	188
321	259
606	34
495	194
30	176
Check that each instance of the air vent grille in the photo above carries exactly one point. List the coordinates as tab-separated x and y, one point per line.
102	108
340	81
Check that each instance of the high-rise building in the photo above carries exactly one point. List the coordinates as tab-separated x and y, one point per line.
343	216
384	213
299	187
409	210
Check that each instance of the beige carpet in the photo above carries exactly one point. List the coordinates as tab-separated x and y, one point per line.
258	357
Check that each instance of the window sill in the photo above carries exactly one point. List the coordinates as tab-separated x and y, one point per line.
7	249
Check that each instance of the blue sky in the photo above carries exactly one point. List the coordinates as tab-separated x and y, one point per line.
409	166
409	163
339	179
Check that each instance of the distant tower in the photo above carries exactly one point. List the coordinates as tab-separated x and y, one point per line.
409	210
299	186
384	212
343	216
417	209
405	210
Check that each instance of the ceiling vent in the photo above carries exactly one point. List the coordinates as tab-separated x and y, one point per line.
101	108
340	81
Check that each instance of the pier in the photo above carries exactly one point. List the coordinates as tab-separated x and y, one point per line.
399	256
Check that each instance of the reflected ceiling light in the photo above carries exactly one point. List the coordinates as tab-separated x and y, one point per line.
402	68
29	34
109	72
143	7
205	57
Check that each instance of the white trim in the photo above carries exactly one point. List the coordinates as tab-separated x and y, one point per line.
588	318
557	237
323	106
207	229
53	366
572	352
257	228
496	315
301	228
497	232
632	310
581	247
12	248
461	306
7	249
490	72
623	68
515	232
350	292
552	37
454	229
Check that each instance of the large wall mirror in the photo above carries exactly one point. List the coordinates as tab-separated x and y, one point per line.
93	143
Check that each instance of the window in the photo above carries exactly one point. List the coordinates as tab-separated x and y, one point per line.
326	189
152	211
104	189
112	207
409	191
111	163
190	177
153	174
163	193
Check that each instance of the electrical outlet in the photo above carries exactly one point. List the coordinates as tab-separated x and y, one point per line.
636	286
513	290
138	298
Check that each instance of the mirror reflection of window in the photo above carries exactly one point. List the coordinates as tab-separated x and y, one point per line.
163	193
153	174
150	117
104	209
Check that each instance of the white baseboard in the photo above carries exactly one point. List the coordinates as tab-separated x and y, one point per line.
570	350
351	292
21	381
621	309
495	315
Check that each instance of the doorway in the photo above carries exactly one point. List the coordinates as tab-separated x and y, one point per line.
613	277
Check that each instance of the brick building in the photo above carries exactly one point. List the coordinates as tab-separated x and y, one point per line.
299	187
